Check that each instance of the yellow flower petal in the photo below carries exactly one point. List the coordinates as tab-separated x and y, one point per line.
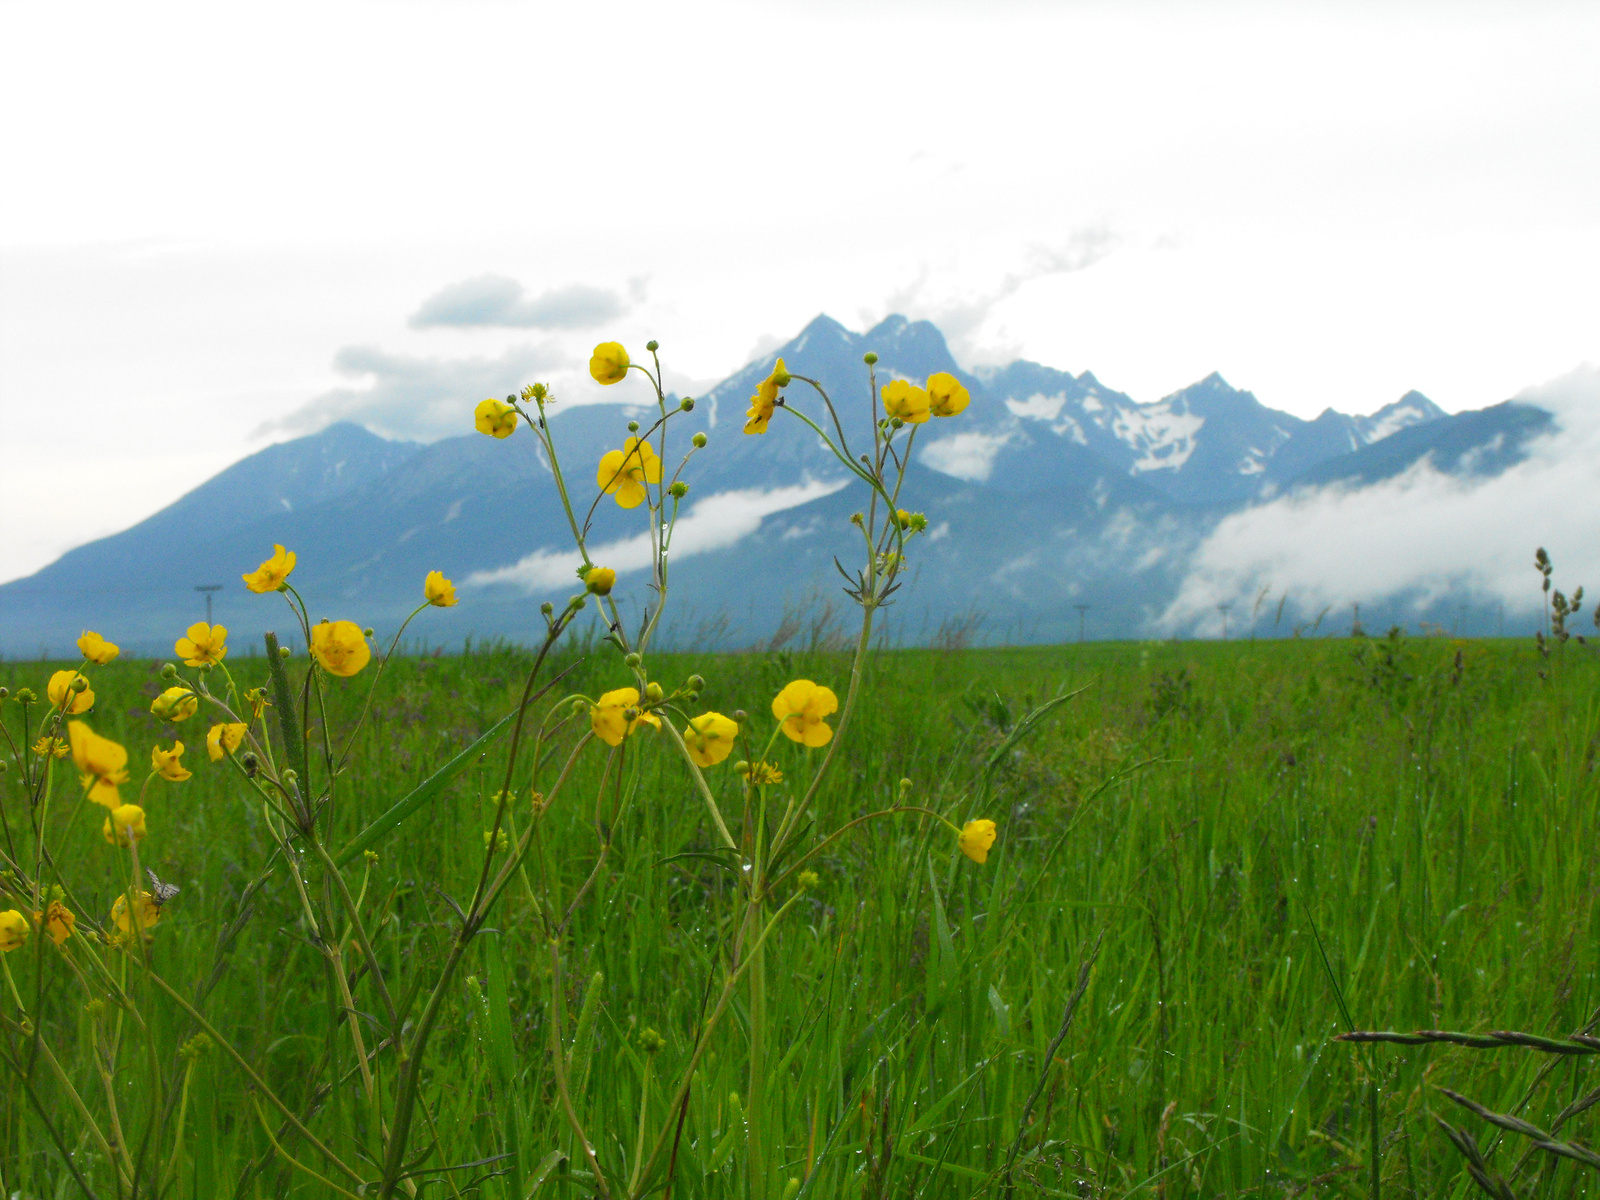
975	839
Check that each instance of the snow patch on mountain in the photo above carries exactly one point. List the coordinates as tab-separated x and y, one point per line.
1162	435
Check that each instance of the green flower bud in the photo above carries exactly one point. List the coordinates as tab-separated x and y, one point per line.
78	684
633	427
869	358
695	684
652	345
654	693
168	671
547	608
678	490
686	404
699	441
283	652
632	660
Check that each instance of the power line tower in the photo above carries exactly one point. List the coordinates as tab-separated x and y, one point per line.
208	588
1082	608
1223	609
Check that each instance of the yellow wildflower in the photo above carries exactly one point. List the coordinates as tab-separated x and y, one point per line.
623	473
709	738
59	689
495	418
224	739
765	400
609	363
600	580
256	698
947	395
760	773
801	706
175	704
96	649
58	921
128	822
438	590
271	575
975	839
102	762
617	714
204	644
169	763
340	647
53	746
13	930
147	911
910	404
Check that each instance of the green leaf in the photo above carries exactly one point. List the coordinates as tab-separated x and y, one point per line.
424	792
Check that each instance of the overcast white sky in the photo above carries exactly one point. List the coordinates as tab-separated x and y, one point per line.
220	220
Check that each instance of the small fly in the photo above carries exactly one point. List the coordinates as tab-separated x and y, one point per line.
161	892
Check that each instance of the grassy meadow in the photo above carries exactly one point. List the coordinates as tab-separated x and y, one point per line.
1187	829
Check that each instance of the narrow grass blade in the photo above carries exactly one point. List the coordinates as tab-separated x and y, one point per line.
422	794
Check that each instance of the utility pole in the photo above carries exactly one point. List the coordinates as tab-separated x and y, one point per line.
1223	609
1082	608
208	588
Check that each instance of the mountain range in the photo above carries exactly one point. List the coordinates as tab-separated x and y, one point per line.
1055	504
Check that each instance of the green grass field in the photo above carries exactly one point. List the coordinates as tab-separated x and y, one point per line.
1201	814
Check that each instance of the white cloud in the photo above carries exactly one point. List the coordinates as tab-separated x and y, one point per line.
710	524
968	456
1421	536
491	300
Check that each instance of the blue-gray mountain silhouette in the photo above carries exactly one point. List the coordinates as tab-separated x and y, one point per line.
1052	490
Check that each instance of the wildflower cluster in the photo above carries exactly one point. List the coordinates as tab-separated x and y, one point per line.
758	777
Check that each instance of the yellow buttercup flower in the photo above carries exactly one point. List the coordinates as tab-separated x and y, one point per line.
59	689
57	921
910	404
801	706
623	473
224	739
600	580
438	590
495	418
760	773
53	746
610	717
709	738
13	931
340	647
203	645
975	839
271	575
96	649
128	823
947	395
102	763
169	763
609	363
175	704
256	698
765	400
147	911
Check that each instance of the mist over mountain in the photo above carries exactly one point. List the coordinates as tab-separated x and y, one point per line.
1054	503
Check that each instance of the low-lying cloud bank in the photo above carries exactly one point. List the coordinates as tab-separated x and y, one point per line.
710	524
1420	537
